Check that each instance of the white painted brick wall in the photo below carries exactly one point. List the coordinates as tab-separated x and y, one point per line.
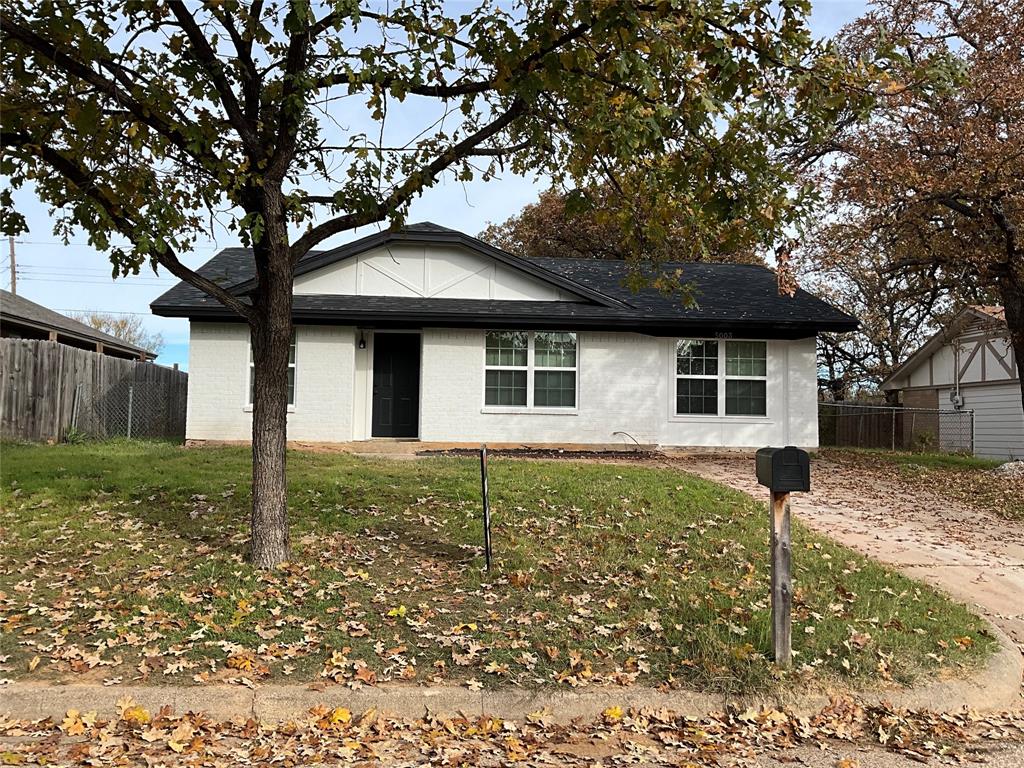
616	376
625	385
218	383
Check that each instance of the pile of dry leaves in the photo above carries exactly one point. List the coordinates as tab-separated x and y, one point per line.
136	736
987	489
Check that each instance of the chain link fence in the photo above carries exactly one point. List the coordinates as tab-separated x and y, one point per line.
130	409
846	425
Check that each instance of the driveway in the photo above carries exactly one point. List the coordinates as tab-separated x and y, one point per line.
975	556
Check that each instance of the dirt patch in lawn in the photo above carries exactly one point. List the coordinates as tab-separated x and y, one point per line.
549	453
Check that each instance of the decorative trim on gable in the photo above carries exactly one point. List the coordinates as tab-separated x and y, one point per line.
326	258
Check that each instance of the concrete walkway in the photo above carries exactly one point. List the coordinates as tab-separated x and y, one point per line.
973	555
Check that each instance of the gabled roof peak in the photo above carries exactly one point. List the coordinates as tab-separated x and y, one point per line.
427	226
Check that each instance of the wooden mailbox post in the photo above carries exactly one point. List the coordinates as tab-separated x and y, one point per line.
782	470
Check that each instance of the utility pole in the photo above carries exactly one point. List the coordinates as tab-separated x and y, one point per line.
14	270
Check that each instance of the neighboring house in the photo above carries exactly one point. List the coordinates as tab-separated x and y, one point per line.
430	334
969	365
24	319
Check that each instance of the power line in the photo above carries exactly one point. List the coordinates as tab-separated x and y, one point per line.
104	312
65	267
79	281
91	276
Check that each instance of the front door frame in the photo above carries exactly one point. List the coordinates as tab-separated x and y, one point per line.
370	335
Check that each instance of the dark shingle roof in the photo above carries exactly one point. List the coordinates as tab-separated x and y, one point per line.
16	308
721	291
728	296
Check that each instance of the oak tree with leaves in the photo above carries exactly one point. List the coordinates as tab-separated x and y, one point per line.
141	121
933	182
587	224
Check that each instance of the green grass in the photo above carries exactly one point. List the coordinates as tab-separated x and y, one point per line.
961	461
127	560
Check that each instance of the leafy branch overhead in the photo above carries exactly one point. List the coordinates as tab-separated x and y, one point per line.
147	119
928	194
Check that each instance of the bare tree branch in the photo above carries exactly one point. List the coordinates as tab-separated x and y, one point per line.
412	185
215	69
243	47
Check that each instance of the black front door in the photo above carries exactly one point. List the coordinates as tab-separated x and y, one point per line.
396	385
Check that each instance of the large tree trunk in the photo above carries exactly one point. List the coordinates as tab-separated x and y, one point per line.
1011	290
271	339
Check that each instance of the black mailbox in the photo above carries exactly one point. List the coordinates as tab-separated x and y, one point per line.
784	469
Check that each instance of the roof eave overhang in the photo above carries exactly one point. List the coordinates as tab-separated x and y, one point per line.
114	345
656	326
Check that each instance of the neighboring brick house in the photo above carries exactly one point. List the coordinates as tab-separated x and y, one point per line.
969	364
24	319
430	334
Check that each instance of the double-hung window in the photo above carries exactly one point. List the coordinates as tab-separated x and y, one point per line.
721	377
696	377
291	373
530	369
746	378
507	368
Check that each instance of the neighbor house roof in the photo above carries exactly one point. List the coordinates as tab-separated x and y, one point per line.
994	315
729	297
19	311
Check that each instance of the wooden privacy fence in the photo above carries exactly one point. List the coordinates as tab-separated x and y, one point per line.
895	428
49	390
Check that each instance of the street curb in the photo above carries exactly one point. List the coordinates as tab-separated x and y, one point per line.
996	687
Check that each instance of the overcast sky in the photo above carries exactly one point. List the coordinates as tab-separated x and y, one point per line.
76	278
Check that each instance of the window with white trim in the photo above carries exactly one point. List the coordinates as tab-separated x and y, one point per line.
530	369
714	377
746	378
696	377
291	373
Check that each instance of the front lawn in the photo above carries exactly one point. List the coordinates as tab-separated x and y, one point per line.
126	561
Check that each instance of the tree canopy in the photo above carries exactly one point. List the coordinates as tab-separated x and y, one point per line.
586	224
145	122
128	328
146	118
933	182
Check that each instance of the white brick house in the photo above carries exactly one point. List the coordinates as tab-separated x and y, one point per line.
430	334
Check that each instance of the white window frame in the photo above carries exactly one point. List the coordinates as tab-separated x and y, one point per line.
531	368
250	367
722	378
726	378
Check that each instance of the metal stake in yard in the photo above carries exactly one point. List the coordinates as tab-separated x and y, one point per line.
782	470
131	393
487	506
